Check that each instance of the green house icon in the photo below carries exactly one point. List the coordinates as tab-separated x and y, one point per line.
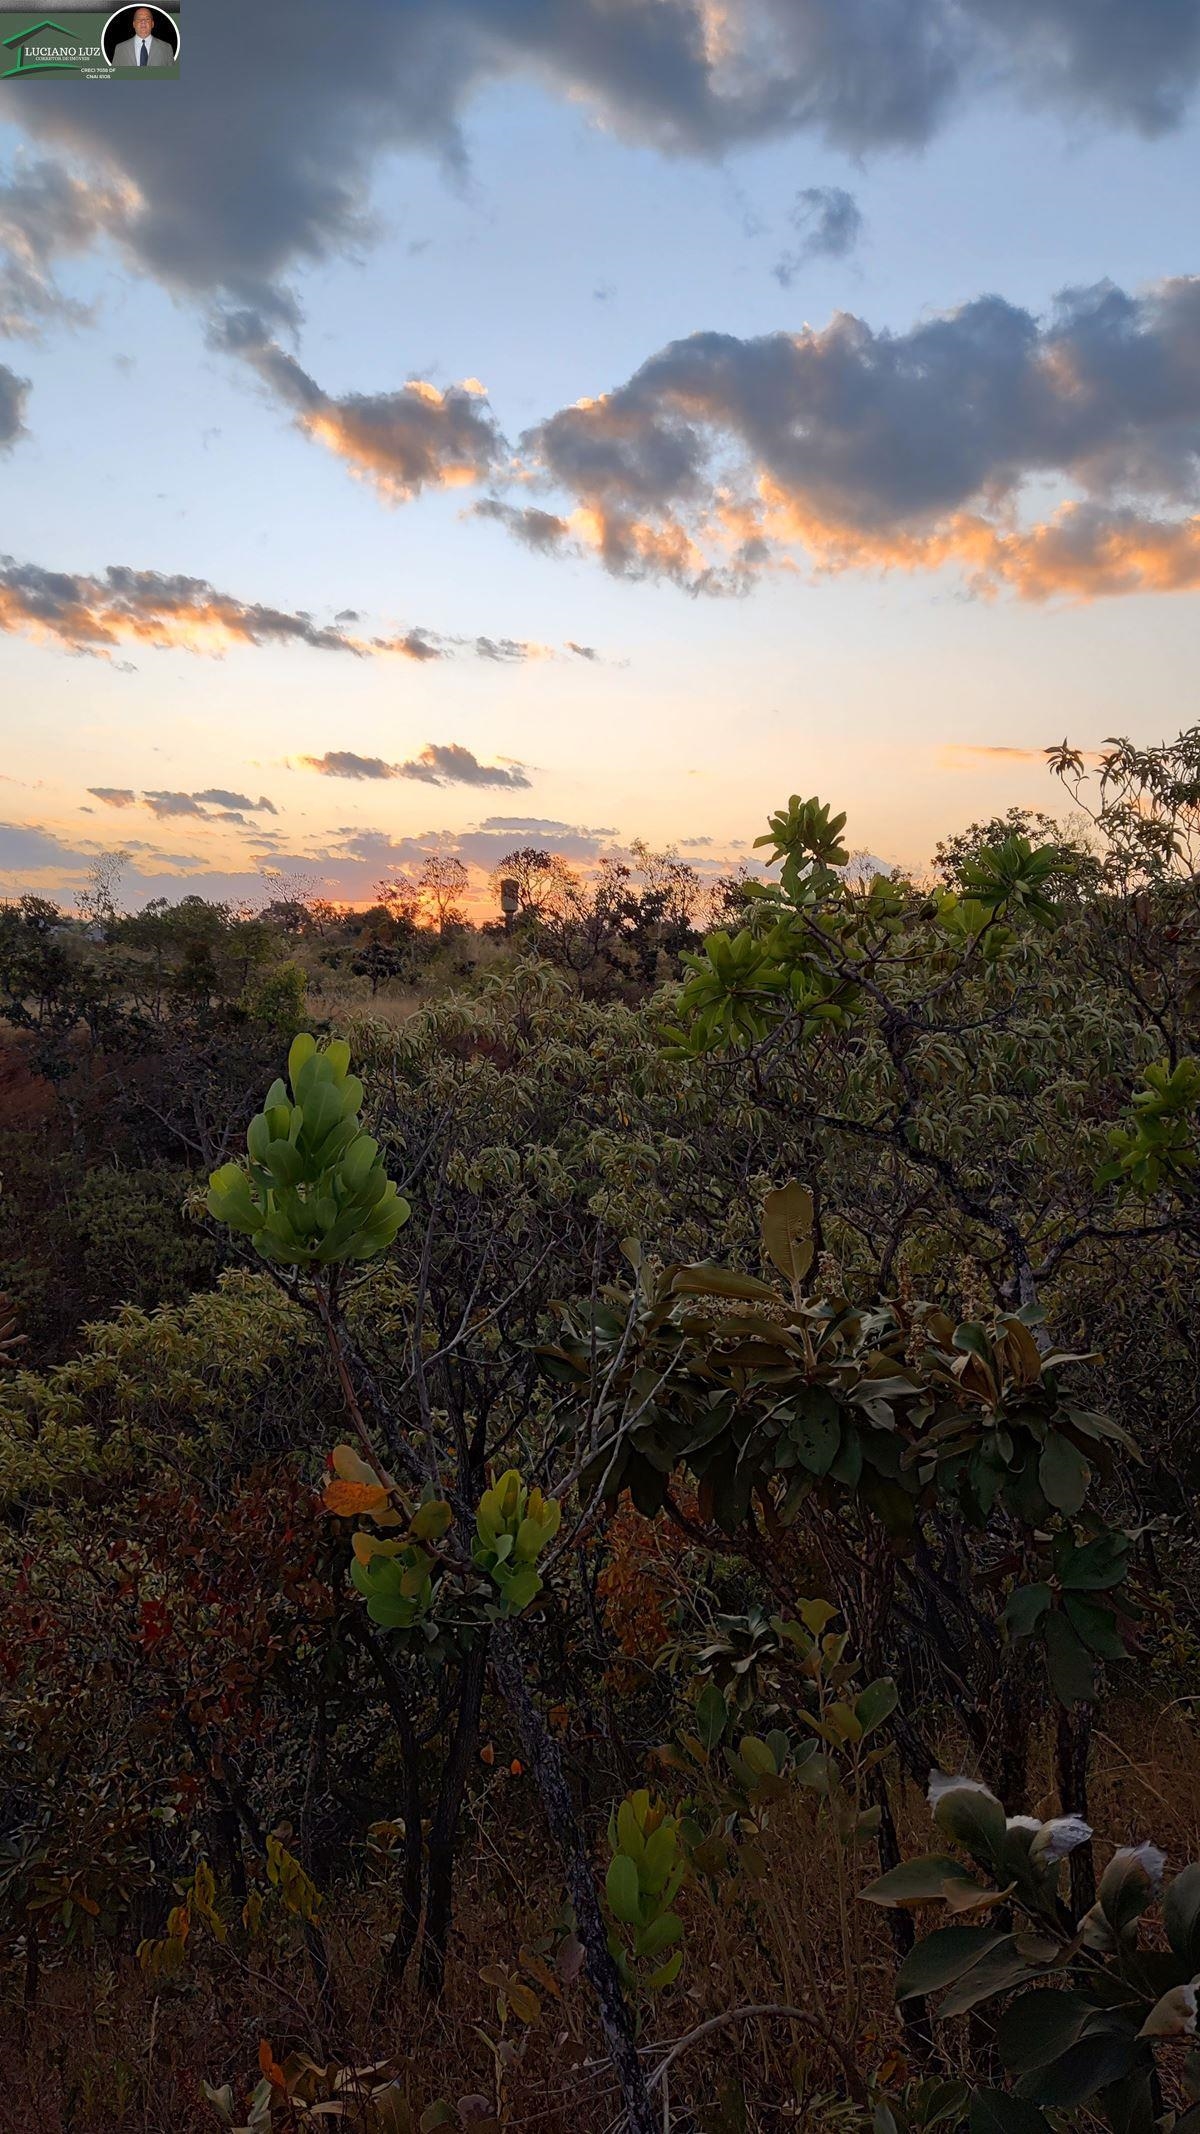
23	65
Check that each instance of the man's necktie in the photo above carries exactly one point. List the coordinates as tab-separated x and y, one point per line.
144	54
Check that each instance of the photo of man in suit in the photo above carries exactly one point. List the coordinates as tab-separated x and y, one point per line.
144	49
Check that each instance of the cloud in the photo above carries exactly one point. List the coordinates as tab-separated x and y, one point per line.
543	531
582	651
416	438
162	804
14	394
217	797
440	763
86	614
539	826
968	755
132	607
27	848
284	180
828	223
508	651
722	458
228	806
48	212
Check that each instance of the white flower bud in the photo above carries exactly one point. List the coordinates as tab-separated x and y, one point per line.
941	1783
1060	1836
1146	1856
1174	2016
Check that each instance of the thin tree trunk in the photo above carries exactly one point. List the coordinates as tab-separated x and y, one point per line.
1073	1747
545	1763
439	1888
404	1940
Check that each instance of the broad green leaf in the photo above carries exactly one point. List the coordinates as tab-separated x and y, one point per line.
972	1819
1181	1915
712	1715
943	1957
622	1889
922	1881
1063	1473
1098	2058
1024	1609
877	1702
708	1281
991	2112
787	1230
1039	2026
1072	1669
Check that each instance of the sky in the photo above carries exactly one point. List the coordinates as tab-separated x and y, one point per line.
567	421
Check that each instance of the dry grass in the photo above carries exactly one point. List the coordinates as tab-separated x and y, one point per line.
107	2053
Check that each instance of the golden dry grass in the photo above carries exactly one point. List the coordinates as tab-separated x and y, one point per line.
108	2053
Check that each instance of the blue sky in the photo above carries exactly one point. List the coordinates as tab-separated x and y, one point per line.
882	639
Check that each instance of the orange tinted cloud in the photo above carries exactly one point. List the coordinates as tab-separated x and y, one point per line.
848	448
970	756
126	608
417	437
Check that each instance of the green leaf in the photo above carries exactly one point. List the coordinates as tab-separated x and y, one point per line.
877	1702
943	1957
622	1889
709	1281
1072	1669
787	1230
667	1973
973	1819
1038	2027
991	2112
815	1429
1063	1473
662	1933
1024	1609
1127	1889
712	1715
1181	1915
922	1881
1099	1564
1098	2058
995	1971
1096	1625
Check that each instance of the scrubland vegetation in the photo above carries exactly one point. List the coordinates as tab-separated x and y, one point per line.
599	1519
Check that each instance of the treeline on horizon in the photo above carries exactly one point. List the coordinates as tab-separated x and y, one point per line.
597	1514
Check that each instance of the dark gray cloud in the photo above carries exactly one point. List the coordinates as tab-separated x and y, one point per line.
163	804
540	826
827	222
440	763
415	438
14	393
213	805
27	848
284	179
132	607
864	448
543	531
505	651
48	212
218	797
123	607
343	763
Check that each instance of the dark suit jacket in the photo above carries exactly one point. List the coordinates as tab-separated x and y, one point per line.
161	53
